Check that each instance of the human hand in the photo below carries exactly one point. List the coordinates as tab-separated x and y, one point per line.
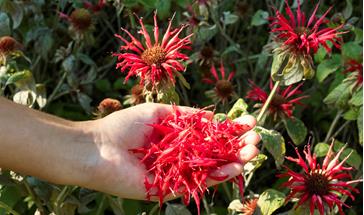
119	172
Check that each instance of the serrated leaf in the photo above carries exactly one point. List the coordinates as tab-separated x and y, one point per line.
270	200
239	108
321	149
296	130
273	141
177	209
259	18
326	67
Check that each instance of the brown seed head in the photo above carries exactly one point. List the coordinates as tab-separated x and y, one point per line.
8	44
81	19
108	106
224	88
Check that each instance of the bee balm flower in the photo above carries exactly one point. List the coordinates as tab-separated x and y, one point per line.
184	150
320	186
153	62
297	39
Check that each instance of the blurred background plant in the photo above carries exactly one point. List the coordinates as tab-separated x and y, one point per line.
57	57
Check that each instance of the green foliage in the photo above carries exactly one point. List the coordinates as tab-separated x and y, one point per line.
269	201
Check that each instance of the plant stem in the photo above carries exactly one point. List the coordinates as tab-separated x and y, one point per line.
269	99
59	84
7	208
154	209
340	129
34	197
332	126
101	205
60	199
206	205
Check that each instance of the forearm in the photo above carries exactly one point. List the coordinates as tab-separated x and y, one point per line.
41	145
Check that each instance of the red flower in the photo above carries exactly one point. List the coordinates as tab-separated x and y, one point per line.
320	186
301	35
356	68
153	62
282	102
184	149
224	89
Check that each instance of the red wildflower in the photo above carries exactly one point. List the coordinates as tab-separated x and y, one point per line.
153	62
356	68
249	206
304	36
184	149
282	102
224	89
320	186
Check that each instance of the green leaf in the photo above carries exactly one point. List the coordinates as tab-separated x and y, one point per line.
351	50
273	141
260	18
238	109
19	78
14	10
354	159
229	18
103	85
164	9
270	200
177	209
69	63
220	117
85	101
351	114
320	54
358	35
339	96
296	130
85	59
326	67
206	33
254	163
348	10
182	79
321	149
4	24
357	98
359	122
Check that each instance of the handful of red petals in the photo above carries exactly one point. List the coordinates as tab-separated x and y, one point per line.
184	149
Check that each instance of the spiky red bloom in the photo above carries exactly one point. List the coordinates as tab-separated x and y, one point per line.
184	149
224	89
356	68
282	102
153	62
320	186
301	35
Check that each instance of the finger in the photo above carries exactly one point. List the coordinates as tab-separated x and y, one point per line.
250	137
247	120
230	170
248	152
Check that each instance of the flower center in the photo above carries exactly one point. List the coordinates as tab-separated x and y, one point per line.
278	100
317	183
155	55
207	52
81	19
224	88
301	30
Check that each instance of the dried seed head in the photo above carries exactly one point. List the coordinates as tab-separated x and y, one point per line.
224	89
108	106
137	94
8	45
81	19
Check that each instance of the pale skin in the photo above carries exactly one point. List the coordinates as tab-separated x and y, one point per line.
92	154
